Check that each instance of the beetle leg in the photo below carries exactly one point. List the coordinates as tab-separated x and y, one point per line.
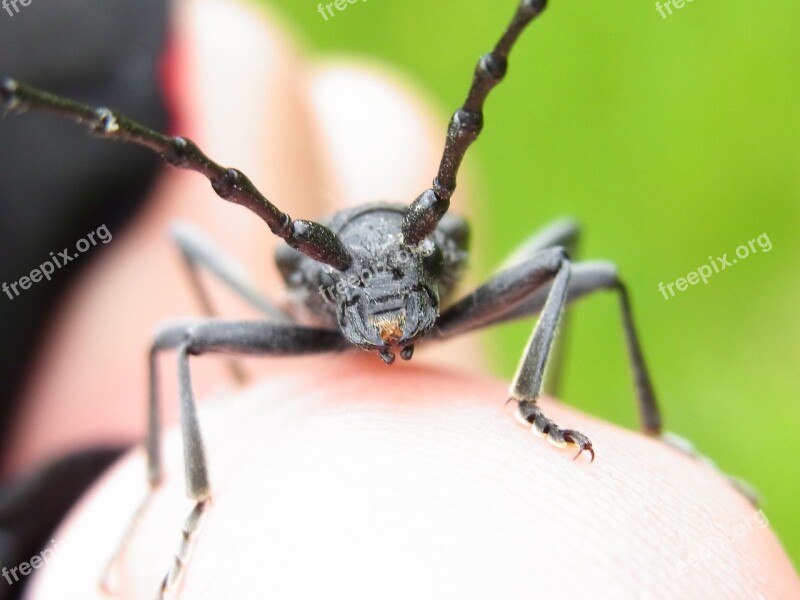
195	337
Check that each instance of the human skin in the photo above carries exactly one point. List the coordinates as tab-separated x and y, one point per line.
335	475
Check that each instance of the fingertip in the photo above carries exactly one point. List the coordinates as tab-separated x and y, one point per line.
382	137
421	471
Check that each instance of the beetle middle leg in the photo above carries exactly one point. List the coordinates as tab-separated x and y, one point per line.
199	252
196	337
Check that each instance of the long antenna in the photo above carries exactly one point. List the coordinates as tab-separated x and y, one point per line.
425	212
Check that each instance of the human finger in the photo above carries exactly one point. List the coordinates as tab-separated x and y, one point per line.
416	483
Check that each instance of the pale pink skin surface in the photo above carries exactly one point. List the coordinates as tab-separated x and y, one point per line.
337	476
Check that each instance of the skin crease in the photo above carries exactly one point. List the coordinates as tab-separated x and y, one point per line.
335	484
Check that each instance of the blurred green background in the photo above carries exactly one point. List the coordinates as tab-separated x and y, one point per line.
671	140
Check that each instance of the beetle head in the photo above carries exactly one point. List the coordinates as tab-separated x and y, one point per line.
388	297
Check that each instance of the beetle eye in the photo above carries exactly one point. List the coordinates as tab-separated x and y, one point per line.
434	262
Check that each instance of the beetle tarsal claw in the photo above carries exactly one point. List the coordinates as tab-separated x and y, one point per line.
531	415
583	443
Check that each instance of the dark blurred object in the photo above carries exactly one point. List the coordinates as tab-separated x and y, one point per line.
50	492
56	183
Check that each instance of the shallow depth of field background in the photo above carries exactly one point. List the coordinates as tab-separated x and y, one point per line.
671	140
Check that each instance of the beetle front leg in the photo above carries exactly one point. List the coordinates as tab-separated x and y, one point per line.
565	233
192	338
502	294
240	337
526	386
